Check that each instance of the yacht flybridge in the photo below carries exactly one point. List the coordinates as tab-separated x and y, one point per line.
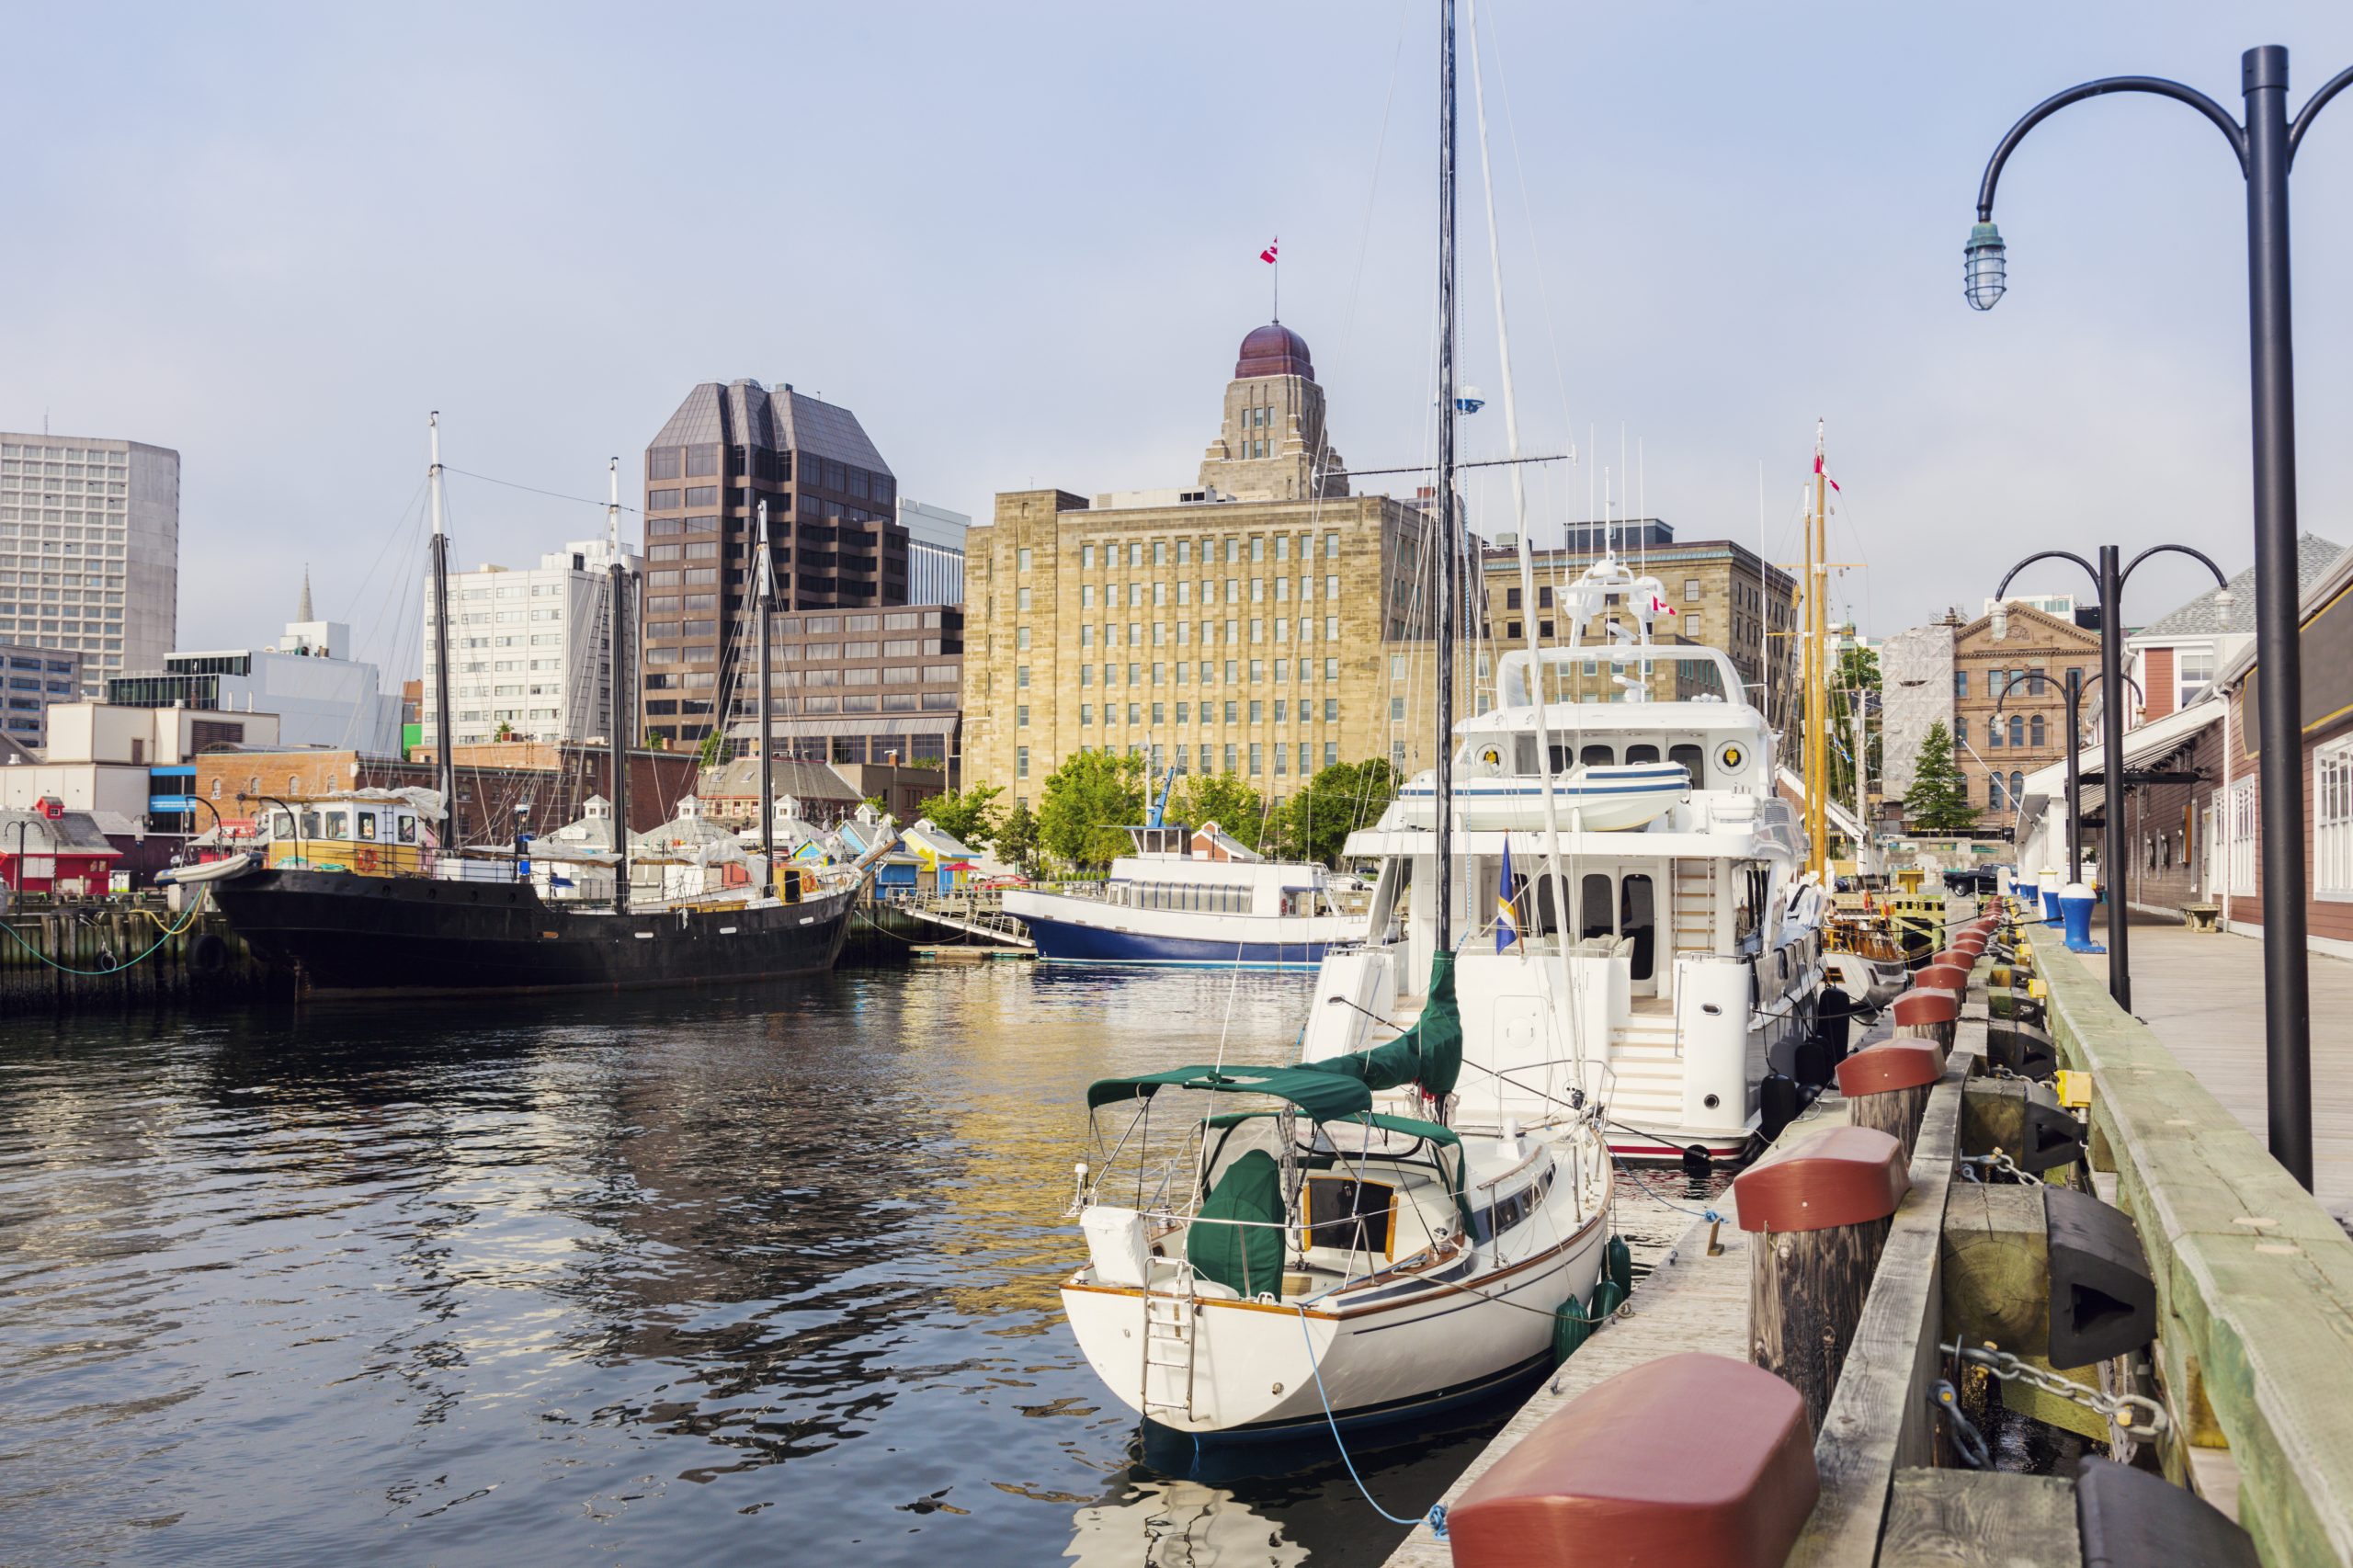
1660	955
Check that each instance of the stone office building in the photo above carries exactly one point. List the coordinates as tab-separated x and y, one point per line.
1239	625
832	505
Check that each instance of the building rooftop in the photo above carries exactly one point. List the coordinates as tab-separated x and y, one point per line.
1274	350
2207	616
783	420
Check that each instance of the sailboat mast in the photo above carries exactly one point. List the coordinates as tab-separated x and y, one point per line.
1520	507
1450	587
767	746
619	699
444	768
1817	695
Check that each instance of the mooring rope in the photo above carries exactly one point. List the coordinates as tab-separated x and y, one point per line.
1435	1519
169	932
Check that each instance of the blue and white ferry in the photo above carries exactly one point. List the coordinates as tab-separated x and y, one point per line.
1194	896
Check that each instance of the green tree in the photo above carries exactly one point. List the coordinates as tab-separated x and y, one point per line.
1336	803
1017	839
1939	801
1224	799
971	816
1087	806
709	753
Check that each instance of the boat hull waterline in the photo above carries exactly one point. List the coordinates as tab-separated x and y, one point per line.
1252	1379
389	936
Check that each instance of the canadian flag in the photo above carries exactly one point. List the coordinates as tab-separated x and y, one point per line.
1268	256
1659	606
1817	468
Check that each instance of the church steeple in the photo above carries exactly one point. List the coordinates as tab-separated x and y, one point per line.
303	610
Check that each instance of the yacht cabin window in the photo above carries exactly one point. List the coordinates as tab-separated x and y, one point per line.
1599	755
1692	758
1641	753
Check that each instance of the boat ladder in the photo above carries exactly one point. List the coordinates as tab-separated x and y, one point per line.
1169	1349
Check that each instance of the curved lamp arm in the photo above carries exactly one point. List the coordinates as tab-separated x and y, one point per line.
2106	84
2202	558
2089	570
2318	101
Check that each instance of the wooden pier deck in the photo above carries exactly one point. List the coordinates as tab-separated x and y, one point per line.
2202	995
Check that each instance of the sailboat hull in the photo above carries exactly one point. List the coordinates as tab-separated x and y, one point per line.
397	936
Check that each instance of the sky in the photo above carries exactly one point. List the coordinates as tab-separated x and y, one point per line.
1022	244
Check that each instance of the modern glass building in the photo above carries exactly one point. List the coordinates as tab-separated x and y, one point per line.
90	550
837	543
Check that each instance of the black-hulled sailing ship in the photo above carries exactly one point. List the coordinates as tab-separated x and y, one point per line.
364	891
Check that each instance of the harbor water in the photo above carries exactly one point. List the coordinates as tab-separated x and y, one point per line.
766	1273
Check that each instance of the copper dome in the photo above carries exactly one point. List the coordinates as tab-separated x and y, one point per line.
1274	350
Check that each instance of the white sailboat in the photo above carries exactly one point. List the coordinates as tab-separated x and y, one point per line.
1355	1246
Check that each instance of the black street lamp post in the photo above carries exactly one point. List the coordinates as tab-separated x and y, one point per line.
2110	578
2072	689
2265	147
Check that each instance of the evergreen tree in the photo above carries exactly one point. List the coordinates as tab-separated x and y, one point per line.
1017	839
1939	801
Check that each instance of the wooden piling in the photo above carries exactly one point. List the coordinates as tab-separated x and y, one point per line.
1823	1209
1887	1087
1933	1015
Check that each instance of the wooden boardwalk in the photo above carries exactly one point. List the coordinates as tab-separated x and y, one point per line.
1689	1301
2202	995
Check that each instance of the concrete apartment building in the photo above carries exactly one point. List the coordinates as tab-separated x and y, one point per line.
31	681
1238	625
833	526
530	651
90	550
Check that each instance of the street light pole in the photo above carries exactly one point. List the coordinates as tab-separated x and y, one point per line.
2110	579
2265	147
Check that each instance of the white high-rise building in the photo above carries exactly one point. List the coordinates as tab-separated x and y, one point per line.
530	651
934	553
90	550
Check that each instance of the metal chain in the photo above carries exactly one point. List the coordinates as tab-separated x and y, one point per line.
2134	1412
1999	1161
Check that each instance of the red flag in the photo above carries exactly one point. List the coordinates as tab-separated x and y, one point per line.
1268	256
1817	468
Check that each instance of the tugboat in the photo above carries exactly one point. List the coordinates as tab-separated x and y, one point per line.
363	892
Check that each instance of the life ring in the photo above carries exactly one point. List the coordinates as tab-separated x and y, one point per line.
364	857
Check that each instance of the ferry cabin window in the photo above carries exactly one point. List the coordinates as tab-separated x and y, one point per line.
280	826
1599	755
336	826
1691	758
1635	753
310	825
366	823
407	828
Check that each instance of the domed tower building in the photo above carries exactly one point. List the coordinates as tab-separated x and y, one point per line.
1274	445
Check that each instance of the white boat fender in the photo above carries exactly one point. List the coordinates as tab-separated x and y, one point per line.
1118	1244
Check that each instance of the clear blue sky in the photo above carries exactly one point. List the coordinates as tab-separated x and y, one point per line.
1021	242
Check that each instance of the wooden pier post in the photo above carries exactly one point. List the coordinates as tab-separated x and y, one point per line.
1933	1015
1823	1211
1887	1087
1613	1476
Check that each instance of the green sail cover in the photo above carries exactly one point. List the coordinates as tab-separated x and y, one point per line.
1430	1054
1246	1257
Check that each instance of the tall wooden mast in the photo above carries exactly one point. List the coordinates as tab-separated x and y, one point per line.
1817	672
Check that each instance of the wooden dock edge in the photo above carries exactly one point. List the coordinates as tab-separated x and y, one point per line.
2254	1279
1880	1421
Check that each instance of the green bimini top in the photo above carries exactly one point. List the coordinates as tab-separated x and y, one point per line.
1324	1097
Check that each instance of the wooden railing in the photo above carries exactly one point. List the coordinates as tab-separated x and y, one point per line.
2254	1280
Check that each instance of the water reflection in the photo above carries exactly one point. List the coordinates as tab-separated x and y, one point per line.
770	1271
